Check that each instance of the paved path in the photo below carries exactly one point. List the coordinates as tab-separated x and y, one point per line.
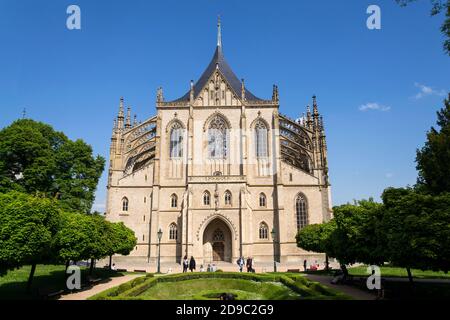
351	291
113	282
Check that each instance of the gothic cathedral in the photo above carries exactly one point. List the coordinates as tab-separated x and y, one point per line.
219	173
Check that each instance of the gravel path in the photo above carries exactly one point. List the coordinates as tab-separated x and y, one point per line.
113	282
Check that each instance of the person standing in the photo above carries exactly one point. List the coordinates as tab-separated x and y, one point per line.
185	264
192	264
249	264
305	264
240	263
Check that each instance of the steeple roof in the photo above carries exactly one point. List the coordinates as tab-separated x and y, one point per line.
218	62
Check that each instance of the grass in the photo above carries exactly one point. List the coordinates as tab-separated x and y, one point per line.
46	277
208	286
387	271
211	288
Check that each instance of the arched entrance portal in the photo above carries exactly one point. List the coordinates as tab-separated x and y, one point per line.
217	242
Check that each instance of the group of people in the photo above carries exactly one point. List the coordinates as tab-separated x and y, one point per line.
312	267
189	264
249	264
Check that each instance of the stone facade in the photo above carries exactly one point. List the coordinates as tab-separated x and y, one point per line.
217	171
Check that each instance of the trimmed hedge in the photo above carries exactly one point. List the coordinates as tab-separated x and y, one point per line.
299	284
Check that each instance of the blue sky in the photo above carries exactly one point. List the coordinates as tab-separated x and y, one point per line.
377	89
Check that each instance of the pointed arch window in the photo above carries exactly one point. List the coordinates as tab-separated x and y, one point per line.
125	204
174	201
301	209
176	141
263	231
206	198
227	197
173	232
218	138
261	140
262	200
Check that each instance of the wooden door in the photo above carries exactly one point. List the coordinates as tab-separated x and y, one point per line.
218	251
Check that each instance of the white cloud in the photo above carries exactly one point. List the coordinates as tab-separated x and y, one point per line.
425	91
374	106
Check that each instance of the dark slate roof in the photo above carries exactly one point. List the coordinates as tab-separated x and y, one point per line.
234	82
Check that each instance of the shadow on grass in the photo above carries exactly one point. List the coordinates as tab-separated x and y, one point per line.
49	282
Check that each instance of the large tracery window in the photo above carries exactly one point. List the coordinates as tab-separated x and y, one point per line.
176	141
261	140
301	209
218	138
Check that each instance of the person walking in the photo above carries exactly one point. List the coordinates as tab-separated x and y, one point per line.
249	264
240	262
192	264
185	264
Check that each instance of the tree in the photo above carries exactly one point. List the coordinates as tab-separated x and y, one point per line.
437	7
27	225
123	240
72	242
357	237
433	160
316	238
36	159
417	229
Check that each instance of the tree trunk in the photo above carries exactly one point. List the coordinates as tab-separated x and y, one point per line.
67	265
30	277
110	262
327	263
91	269
410	277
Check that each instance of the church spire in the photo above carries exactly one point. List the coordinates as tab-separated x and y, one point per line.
219	32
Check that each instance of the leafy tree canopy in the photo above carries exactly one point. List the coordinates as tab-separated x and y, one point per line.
35	159
27	225
417	229
433	160
356	237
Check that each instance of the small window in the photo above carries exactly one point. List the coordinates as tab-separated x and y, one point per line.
174	201
145	199
263	231
228	198
173	232
290	177
262	200
125	204
206	198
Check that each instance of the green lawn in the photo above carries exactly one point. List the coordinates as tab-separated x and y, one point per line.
52	277
211	288
400	272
